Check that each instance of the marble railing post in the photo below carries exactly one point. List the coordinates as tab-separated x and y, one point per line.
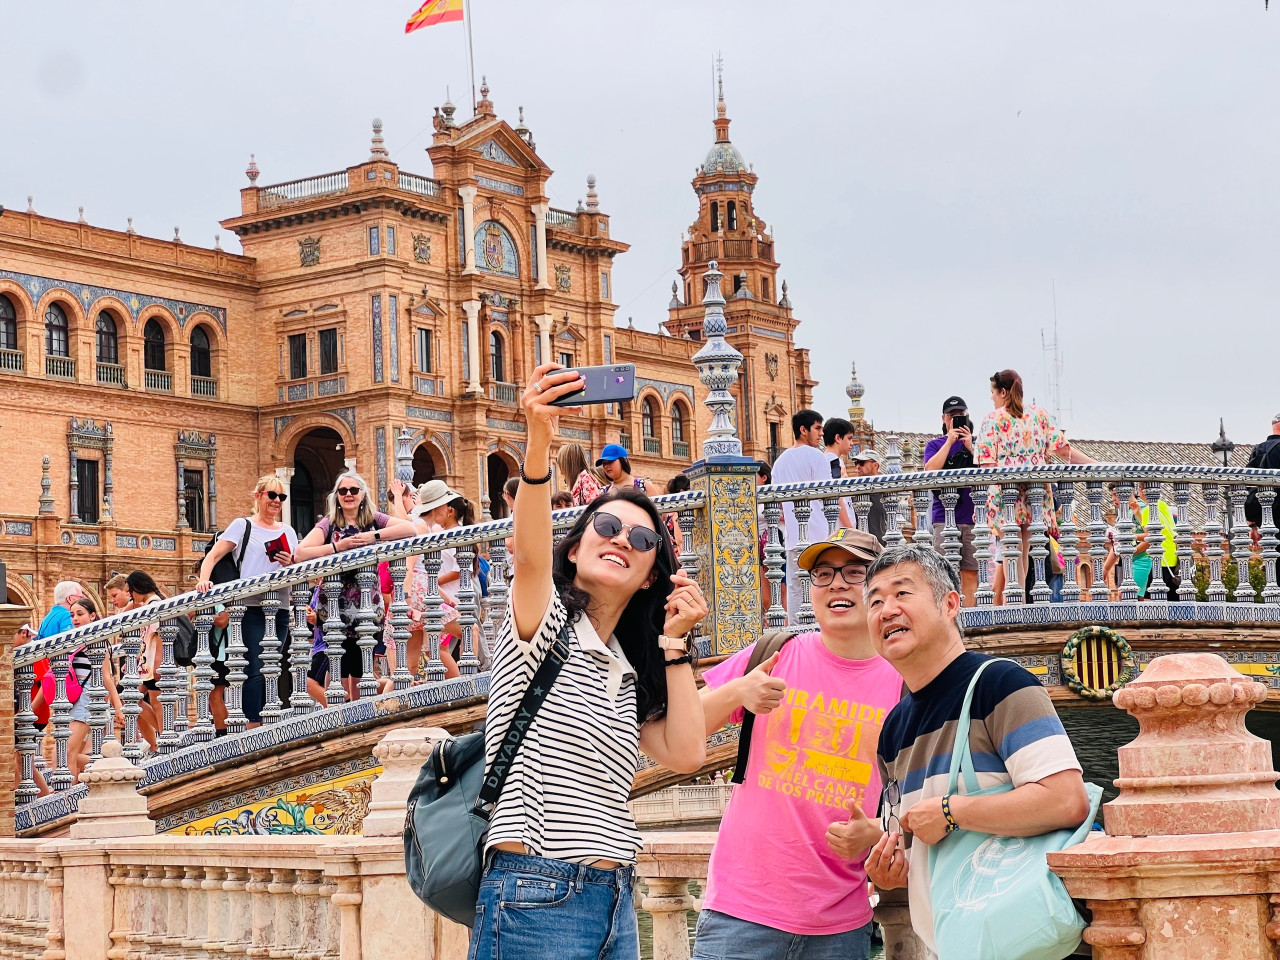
667	863
402	753
900	941
1190	864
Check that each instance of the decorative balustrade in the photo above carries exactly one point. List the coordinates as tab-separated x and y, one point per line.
694	802
507	394
423	186
179	690
158	381
12	361
652	445
62	368
110	374
680	449
206	387
305	189
562	220
1081	497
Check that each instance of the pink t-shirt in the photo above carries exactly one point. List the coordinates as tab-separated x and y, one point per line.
771	863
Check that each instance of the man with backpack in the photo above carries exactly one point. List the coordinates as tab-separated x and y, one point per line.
786	877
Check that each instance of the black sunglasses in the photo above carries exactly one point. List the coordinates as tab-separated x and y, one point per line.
890	798
272	495
349	491
609	526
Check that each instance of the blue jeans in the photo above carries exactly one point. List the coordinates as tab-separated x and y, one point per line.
252	629
531	907
722	937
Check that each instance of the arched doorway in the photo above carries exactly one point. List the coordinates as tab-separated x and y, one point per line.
317	463
498	471
424	464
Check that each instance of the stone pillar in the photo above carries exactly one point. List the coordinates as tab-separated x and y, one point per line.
468	195
285	476
404	455
1190	864
726	536
543	320
472	309
46	488
10	617
74	487
182	496
540	211
900	941
402	753
669	904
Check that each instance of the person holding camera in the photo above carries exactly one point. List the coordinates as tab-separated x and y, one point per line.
954	451
610	603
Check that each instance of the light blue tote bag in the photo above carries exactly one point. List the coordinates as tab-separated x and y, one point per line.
994	898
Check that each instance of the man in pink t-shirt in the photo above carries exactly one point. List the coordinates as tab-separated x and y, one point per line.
786	878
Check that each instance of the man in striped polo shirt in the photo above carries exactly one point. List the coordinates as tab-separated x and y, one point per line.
912	597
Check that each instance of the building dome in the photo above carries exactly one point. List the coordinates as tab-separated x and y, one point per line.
724	157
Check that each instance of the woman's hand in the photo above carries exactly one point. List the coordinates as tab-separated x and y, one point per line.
550	382
284	558
686	607
204	586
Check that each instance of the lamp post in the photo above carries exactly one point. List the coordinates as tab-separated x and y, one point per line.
1224	446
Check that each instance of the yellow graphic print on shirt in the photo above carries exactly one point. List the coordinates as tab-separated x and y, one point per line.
819	748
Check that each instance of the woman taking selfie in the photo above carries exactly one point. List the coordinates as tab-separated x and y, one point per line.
562	844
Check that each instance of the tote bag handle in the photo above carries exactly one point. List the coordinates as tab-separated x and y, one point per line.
961	755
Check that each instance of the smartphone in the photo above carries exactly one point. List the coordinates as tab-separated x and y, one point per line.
962	423
609	384
835	469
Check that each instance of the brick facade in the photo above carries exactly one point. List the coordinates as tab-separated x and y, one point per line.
319	336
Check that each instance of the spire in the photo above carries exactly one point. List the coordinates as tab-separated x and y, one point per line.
593	201
718	364
523	132
485	107
675	295
377	150
251	171
854	392
722	114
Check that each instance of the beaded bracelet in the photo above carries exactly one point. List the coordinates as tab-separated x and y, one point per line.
946	812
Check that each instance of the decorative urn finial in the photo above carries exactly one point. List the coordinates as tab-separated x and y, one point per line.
377	148
718	364
251	171
593	201
854	391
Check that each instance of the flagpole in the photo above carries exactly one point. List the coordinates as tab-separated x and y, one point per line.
471	59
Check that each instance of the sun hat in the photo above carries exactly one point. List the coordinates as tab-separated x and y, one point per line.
858	544
611	452
432	494
867	456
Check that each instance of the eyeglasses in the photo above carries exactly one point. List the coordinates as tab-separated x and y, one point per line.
890	799
349	491
272	495
609	526
851	573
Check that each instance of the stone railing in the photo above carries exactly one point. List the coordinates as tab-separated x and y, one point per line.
111	374
62	368
12	361
206	387
688	803
507	394
304	189
158	381
423	186
562	220
188	742
1080	496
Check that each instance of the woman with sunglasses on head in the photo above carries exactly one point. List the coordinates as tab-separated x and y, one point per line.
561	845
352	522
272	544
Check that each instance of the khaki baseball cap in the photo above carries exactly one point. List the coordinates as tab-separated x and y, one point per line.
858	544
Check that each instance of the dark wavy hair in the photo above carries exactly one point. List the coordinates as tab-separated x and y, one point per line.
140	582
645	615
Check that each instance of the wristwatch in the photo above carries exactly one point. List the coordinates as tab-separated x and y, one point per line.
673	643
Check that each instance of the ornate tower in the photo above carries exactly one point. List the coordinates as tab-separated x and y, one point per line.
774	380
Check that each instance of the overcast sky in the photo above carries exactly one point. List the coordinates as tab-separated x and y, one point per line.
933	170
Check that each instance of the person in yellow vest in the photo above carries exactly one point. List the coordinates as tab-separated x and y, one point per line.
1144	551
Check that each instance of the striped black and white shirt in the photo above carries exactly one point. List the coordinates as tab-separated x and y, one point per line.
566	795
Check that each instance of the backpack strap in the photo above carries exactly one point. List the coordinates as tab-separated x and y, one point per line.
535	694
764	648
244	544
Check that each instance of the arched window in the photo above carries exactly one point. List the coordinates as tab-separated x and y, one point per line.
153	346
8	324
677	422
56	343
647	417
201	363
496	366
108	338
715	216
733	215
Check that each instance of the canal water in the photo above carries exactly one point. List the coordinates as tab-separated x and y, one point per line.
1097	733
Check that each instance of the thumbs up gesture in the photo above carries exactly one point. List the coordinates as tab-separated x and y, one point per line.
853	837
760	691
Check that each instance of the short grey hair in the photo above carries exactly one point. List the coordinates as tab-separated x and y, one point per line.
64	590
938	573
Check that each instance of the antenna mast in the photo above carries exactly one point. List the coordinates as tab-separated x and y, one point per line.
1053	362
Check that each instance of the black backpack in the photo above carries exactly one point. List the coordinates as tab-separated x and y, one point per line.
228	568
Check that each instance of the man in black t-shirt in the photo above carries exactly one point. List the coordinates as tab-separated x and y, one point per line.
1267	456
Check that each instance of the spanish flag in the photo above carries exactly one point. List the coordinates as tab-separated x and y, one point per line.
433	12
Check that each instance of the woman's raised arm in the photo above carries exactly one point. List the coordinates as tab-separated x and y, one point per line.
531	542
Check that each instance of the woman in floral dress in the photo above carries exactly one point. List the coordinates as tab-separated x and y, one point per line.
1013	435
